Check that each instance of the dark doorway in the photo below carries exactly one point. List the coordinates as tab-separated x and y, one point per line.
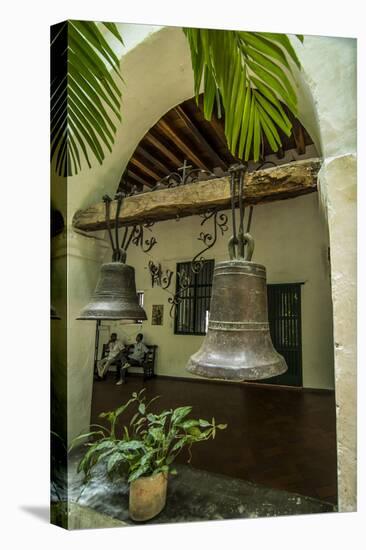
284	316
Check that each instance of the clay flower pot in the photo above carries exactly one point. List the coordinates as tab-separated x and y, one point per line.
147	496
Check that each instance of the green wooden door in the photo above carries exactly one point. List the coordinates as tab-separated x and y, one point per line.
284	316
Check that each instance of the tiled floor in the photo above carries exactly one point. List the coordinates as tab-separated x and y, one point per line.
281	438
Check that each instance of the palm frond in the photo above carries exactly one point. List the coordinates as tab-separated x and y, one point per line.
85	98
251	73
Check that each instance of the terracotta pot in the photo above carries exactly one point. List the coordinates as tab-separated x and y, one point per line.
147	496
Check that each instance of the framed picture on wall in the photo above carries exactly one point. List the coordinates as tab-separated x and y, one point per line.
157	314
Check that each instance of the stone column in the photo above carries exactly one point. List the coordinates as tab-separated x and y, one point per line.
76	261
337	181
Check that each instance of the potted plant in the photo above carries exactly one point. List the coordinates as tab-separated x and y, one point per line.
143	452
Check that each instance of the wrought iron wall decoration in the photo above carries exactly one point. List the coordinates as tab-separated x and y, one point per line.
134	234
209	239
184	279
138	237
158	277
183	176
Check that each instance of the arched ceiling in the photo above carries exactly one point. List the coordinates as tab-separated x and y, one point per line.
184	134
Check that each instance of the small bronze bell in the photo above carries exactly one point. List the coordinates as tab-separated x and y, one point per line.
115	296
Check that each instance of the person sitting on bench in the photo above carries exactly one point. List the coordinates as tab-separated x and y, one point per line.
115	347
135	358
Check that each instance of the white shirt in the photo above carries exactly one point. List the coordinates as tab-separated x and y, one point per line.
139	351
114	348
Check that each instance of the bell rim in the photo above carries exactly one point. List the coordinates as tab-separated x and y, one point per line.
241	373
102	317
89	314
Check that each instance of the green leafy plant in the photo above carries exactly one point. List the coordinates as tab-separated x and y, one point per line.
247	75
148	445
250	76
85	99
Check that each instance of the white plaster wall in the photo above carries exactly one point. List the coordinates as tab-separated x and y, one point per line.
291	241
328	92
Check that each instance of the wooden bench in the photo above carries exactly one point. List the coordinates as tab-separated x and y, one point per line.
147	366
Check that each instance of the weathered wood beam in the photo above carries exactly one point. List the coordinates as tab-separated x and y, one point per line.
146	155
137	178
141	166
218	128
280	182
182	145
161	147
215	158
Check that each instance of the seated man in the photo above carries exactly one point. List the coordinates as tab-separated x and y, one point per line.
115	346
135	358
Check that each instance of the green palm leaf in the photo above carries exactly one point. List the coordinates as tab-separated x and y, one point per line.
85	98
251	74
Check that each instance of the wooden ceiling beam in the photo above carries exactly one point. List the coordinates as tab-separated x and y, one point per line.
136	162
216	126
127	186
216	159
186	150
146	155
138	178
299	137
161	147
277	183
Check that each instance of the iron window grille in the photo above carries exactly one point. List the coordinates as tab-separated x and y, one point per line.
284	316
194	296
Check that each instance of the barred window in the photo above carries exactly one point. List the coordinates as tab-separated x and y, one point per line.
194	290
284	316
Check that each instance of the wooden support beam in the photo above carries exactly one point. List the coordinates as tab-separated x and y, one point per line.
280	153
299	137
188	152
164	150
218	127
127	185
137	178
280	182
215	158
141	166
146	155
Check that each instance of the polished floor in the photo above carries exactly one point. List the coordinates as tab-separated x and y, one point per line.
280	438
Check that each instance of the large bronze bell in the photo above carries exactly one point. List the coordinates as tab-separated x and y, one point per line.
115	296
238	343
